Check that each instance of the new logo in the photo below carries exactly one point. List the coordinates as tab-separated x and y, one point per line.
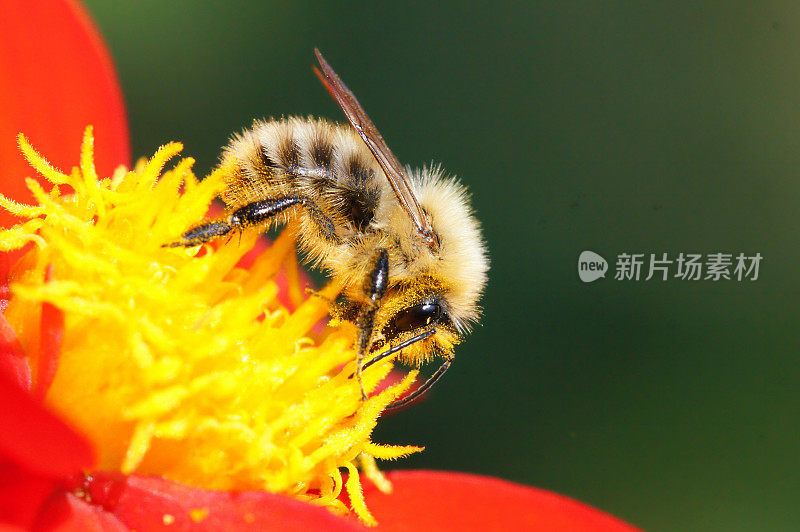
591	266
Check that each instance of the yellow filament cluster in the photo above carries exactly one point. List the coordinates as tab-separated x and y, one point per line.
176	362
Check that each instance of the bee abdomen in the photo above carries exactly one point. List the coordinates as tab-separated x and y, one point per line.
320	154
325	163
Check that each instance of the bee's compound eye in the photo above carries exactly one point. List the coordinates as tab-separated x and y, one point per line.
414	318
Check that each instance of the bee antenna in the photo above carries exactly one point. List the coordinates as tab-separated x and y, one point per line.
427	384
399	347
422	389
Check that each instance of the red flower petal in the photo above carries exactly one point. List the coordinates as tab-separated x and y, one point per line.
55	79
22	495
4	527
5	293
438	501
51	332
66	512
13	363
36	439
152	503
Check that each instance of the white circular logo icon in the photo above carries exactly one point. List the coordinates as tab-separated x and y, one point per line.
591	266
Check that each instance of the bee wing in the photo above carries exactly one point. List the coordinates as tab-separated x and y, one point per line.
369	133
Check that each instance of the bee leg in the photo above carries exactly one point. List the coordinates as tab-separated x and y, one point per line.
253	213
201	234
376	288
260	211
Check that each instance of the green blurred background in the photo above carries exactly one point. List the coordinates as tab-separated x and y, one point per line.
609	126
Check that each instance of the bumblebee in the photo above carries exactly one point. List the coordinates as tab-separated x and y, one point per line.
404	242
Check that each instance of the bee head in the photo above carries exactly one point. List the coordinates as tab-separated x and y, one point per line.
404	318
415	318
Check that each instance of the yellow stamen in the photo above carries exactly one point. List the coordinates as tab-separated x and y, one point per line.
177	362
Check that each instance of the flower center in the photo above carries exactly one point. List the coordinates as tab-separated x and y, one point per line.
178	362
